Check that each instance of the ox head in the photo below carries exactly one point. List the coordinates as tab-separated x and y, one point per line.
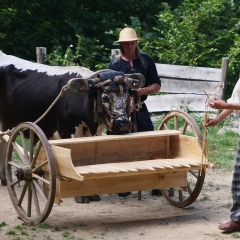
112	97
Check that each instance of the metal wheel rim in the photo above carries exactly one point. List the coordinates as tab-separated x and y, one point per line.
176	198
30	202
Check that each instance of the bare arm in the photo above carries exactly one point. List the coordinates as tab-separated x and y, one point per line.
217	120
149	89
218	103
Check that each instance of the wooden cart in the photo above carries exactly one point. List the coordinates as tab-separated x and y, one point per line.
39	175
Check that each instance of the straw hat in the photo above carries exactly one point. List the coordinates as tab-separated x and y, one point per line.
127	35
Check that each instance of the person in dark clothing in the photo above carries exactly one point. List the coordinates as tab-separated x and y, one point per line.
132	60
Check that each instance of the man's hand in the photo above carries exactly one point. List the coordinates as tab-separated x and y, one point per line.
217	103
148	90
141	91
211	122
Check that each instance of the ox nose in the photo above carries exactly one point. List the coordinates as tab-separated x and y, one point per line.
121	126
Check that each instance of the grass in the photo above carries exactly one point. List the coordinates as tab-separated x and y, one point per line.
235	235
222	149
2	224
21	232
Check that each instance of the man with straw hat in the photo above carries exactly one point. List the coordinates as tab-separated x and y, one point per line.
132	60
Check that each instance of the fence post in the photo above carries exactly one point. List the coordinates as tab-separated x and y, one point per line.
41	53
225	64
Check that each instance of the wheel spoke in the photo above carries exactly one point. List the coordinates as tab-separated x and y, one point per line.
166	126
193	173
180	195
35	199
171	192
31	145
23	193
24	145
189	188
175	122
40	166
19	151
40	178
39	189
14	164
14	183
29	208
36	155
185	127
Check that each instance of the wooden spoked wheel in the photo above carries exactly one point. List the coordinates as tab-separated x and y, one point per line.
183	122
31	180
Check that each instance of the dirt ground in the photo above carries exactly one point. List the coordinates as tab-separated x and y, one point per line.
115	218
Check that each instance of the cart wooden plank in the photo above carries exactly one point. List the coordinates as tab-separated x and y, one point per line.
63	162
113	183
137	135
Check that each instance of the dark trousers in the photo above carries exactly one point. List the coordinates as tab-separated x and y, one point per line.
144	122
235	210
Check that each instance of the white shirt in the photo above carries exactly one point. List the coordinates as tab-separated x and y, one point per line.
235	98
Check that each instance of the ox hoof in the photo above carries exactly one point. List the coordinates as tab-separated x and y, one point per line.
87	199
81	199
95	198
4	181
124	194
156	192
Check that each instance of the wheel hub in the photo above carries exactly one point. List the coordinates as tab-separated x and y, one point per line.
24	173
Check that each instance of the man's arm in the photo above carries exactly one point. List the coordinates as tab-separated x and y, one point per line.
217	120
155	87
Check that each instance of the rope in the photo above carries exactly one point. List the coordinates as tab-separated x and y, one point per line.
138	105
204	161
205	139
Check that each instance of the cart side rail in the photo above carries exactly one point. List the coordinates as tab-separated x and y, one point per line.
63	163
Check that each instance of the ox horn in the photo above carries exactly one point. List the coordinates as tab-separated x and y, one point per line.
135	80
77	85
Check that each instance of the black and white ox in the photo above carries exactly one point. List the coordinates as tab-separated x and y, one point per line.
28	89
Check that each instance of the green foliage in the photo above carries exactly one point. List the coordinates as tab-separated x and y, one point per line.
85	53
2	224
11	232
66	234
184	32
196	33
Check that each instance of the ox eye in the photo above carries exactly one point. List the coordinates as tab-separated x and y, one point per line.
106	99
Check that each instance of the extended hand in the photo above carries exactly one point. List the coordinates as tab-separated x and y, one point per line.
211	122
217	103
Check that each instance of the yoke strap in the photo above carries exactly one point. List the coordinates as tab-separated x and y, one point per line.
109	75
